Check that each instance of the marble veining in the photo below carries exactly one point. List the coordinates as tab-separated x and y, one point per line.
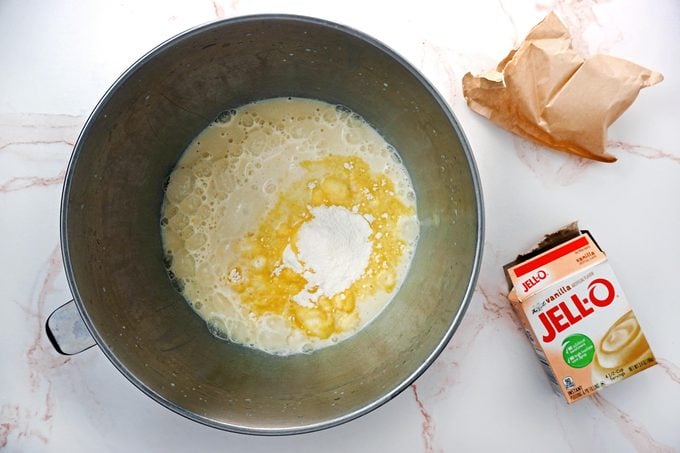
486	391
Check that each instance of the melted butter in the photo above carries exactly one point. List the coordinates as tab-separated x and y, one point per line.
331	181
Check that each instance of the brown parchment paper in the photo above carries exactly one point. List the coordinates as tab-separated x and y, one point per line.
546	92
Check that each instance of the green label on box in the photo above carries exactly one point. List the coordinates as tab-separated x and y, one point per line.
578	350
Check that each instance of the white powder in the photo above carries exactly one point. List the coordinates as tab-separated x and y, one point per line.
333	252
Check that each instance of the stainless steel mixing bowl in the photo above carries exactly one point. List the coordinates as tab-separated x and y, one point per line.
111	237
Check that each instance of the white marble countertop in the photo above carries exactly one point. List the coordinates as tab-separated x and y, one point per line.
486	392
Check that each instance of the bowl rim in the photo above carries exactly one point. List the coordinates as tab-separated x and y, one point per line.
303	428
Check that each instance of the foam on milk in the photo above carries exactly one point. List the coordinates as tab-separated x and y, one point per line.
231	176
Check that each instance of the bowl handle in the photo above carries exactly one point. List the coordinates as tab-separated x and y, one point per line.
67	331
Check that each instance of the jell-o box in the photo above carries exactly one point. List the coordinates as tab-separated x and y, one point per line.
576	315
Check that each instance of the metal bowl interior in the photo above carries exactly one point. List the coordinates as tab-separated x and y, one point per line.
111	237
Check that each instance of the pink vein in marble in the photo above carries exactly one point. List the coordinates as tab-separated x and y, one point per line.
35	148
636	434
643	151
21	421
219	10
671	369
428	423
437	64
551	167
34	151
25	182
578	15
515	34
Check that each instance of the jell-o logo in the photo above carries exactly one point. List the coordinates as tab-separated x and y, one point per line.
564	315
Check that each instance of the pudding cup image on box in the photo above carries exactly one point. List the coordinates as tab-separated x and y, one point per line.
576	314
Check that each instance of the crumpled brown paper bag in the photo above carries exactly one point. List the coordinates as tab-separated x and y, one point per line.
546	92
